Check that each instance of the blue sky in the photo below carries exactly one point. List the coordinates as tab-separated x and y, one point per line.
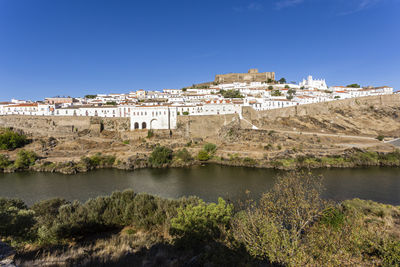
78	47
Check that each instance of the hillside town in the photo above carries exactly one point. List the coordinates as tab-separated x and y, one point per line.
226	95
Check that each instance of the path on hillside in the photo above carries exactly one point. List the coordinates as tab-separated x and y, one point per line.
329	135
395	142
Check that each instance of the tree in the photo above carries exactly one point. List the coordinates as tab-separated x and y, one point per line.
273	229
287	86
276	93
90	96
282	80
231	93
270	87
353	85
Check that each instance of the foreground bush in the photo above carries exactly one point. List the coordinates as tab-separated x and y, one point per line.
202	222
273	229
16	220
11	140
161	155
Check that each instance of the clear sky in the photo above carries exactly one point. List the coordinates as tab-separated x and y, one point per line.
78	47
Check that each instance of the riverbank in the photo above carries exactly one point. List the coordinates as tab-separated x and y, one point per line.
128	229
351	158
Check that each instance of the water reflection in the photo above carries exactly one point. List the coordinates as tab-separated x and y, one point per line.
207	182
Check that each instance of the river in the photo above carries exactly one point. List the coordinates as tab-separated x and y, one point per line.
208	182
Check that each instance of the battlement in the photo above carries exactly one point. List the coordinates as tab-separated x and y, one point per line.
251	76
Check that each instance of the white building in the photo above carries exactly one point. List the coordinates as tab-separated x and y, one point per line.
311	83
153	117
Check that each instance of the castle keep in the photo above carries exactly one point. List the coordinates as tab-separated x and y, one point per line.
252	76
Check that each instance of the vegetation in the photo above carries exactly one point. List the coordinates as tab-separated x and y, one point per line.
231	93
4	161
11	140
354	85
380	137
291	225
270	87
183	155
111	103
203	155
25	159
161	155
97	160
210	148
185	113
282	80
276	93
90	96
202	222
150	133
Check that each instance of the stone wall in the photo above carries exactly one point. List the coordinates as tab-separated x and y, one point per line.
63	126
320	108
204	126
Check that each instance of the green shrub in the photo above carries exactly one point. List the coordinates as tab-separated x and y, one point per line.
249	161
98	160
380	137
273	229
390	252
150	133
210	148
126	142
16	220
4	161
184	155
185	113
25	158
161	155
203	155
202	222
11	140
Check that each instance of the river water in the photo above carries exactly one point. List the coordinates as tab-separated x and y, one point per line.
207	182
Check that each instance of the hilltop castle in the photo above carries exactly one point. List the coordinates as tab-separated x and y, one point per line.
252	76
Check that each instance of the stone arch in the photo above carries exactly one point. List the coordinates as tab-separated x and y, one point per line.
144	125
153	123
136	125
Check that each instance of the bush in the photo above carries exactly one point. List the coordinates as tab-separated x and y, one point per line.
274	228
184	155
4	161
11	140
98	160
15	219
185	113
161	155
203	222
203	155
25	159
210	148
380	137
